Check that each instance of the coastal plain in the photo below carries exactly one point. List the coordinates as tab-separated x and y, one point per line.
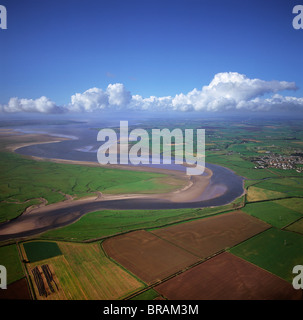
227	248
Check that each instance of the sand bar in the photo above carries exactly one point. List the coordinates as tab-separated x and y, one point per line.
42	217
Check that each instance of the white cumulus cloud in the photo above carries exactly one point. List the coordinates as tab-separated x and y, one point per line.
41	105
91	100
117	95
228	91
94	99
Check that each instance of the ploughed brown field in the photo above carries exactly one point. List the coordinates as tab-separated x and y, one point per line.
155	255
207	236
17	290
227	277
147	256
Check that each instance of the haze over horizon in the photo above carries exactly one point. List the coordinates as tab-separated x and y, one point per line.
158	56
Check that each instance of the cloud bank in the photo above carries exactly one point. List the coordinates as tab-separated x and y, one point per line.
228	91
42	105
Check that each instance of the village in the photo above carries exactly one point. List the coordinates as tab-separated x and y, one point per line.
270	160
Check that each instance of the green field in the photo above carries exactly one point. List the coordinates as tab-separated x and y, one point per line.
10	259
150	294
296	226
257	194
234	144
25	179
40	250
84	271
240	166
293	203
152	186
289	186
110	222
272	213
274	250
9	210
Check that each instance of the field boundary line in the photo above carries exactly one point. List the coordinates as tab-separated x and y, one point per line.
275	199
41	237
151	286
256	265
174	244
120	266
27	276
300	218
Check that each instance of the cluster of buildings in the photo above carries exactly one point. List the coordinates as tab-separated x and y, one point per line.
279	161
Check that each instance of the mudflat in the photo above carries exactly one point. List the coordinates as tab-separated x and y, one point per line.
49	216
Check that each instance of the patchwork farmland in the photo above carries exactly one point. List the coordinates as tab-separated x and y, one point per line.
233	255
155	255
244	250
274	250
80	272
192	261
227	277
207	236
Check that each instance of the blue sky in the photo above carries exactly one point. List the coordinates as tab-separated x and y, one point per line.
153	48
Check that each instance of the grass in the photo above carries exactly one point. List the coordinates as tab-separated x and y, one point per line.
288	186
24	179
109	222
154	185
9	210
84	272
257	194
242	167
278	188
41	250
294	204
272	213
150	294
274	250
296	226
105	223
10	259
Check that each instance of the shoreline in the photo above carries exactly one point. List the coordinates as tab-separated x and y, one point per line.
42	218
193	185
192	188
